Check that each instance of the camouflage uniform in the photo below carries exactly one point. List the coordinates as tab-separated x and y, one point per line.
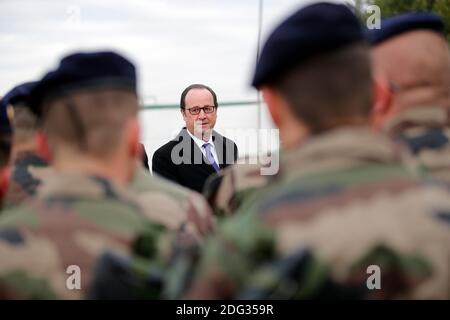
226	190
28	170
72	220
101	220
182	211
341	204
173	206
425	130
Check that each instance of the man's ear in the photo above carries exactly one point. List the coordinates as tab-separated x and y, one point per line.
134	133
382	102
43	149
183	113
273	101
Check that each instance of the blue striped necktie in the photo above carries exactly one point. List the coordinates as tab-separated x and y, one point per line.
210	156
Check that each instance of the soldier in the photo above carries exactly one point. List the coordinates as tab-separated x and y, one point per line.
344	219
411	59
88	107
28	167
178	207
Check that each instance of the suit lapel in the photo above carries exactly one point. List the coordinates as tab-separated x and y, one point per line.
196	152
218	144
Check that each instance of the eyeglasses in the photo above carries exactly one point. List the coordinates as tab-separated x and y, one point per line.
196	110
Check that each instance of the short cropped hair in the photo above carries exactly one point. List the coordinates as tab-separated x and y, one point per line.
24	122
196	86
330	88
90	121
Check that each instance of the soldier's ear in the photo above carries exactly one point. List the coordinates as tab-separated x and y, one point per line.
382	102
134	133
273	101
43	149
4	181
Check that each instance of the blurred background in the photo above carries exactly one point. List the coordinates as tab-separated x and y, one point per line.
173	43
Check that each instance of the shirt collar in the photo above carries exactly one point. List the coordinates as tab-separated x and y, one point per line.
200	142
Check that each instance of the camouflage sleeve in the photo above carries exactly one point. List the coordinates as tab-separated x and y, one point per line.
33	266
241	262
139	275
241	244
24	274
143	274
303	275
117	276
48	253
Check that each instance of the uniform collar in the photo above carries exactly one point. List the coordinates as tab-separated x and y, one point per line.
417	117
339	149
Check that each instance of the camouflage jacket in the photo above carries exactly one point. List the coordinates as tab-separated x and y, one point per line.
226	190
425	131
180	210
171	205
27	172
343	220
72	220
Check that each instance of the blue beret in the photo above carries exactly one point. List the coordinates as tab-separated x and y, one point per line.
82	71
5	125
18	94
315	29
396	25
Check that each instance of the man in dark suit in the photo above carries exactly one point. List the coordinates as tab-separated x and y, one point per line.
197	151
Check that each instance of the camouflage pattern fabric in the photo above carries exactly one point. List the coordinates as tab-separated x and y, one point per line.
343	205
171	205
72	220
121	276
226	190
141	276
27	173
425	130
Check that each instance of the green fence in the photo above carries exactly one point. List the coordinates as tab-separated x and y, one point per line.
176	106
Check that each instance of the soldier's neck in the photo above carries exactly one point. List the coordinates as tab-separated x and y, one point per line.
110	170
292	135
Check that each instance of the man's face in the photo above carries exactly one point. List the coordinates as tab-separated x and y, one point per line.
203	122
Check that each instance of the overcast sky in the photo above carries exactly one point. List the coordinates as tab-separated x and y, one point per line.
173	42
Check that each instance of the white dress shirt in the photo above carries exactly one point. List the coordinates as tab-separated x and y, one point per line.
200	143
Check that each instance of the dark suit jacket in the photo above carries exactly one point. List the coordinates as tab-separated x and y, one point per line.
144	157
182	161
